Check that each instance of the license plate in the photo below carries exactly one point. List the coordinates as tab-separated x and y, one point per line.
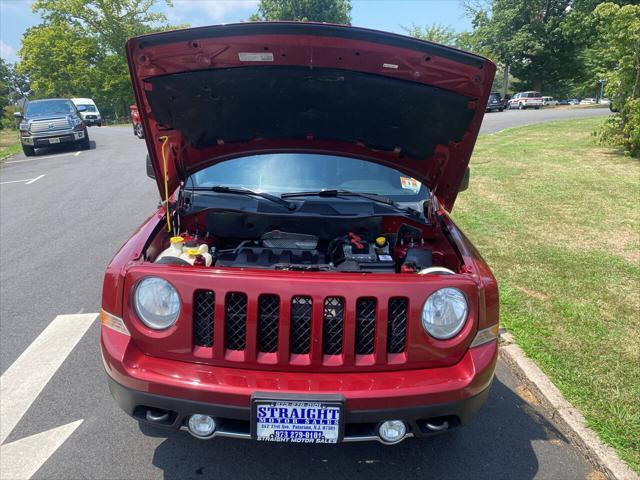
54	140
293	421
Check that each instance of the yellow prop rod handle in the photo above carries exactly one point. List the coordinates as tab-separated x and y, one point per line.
165	139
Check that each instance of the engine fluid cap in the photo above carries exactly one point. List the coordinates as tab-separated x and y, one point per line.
380	241
176	239
193	252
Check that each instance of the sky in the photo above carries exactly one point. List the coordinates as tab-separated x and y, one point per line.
389	15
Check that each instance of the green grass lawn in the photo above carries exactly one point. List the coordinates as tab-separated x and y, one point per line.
558	219
9	143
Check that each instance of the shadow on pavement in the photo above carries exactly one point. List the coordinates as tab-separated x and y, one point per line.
62	148
496	444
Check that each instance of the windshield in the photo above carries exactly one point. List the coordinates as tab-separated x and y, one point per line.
89	108
49	107
300	172
495	97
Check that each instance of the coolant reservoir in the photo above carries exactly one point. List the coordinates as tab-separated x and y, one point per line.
192	255
174	250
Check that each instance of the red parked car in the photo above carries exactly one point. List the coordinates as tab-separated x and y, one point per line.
135	121
303	281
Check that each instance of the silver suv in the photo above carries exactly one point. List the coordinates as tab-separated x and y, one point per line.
51	121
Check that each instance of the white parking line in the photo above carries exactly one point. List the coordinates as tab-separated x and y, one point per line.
43	158
24	457
28	181
23	381
35	179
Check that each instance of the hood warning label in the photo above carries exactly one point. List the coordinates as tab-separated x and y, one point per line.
255	57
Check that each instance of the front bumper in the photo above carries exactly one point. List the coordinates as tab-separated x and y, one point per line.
66	136
141	384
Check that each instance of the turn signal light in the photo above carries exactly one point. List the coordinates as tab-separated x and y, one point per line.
486	335
113	322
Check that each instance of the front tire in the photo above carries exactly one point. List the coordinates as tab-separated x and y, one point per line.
138	131
28	150
521	106
84	144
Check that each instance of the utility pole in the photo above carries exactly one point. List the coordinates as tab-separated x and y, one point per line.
602	81
505	80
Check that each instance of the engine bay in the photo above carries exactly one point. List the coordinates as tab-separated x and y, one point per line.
372	244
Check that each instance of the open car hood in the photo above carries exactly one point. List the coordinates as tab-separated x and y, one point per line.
214	93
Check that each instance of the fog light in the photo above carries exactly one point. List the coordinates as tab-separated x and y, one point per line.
392	431
201	426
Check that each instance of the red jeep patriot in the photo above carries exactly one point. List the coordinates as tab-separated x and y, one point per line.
302	280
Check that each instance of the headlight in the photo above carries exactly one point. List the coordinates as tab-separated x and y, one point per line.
77	121
156	302
444	313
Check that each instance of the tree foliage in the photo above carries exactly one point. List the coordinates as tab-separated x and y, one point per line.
60	59
528	35
111	22
78	50
615	56
435	32
330	11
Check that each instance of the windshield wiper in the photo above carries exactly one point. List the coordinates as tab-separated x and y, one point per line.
346	193
243	191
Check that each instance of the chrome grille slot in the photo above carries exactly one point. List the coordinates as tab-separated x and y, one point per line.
204	303
333	325
268	319
50	125
365	325
397	325
235	318
300	335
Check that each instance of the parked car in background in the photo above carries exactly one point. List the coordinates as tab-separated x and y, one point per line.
549	102
605	101
524	100
588	101
564	101
51	121
495	102
135	121
574	101
90	114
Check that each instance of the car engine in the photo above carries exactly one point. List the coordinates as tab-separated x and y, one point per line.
404	251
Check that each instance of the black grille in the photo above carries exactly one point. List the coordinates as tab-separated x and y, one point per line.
365	325
268	319
397	325
300	324
203	318
235	314
333	323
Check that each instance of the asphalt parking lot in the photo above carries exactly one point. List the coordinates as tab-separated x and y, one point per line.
63	215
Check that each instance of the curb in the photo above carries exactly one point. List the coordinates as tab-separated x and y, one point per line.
603	455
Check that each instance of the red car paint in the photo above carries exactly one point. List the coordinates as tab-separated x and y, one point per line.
163	370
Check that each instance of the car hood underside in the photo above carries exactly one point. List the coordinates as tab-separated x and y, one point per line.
214	93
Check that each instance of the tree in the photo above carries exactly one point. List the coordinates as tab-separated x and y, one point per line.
615	56
330	11
111	22
59	59
528	36
436	32
79	48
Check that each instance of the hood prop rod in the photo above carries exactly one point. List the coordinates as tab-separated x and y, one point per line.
165	139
